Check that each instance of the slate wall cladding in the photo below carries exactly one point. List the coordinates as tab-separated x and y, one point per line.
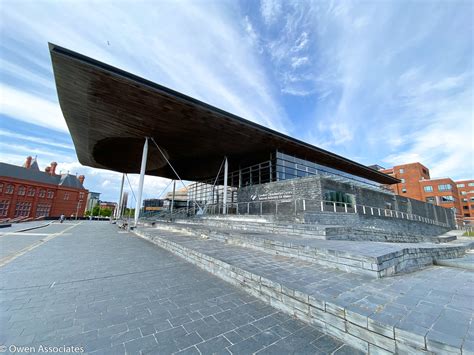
314	187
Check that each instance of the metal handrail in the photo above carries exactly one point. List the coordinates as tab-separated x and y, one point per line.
309	205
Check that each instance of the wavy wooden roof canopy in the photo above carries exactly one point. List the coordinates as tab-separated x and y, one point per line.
109	112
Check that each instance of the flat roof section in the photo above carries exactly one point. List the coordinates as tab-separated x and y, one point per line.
109	112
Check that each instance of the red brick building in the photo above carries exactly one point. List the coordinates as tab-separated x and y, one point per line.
466	195
416	183
28	193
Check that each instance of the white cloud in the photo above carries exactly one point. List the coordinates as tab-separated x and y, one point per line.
299	61
270	10
29	108
34	139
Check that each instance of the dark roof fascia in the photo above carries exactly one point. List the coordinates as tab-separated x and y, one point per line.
184	98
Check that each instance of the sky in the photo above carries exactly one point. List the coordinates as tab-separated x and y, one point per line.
379	82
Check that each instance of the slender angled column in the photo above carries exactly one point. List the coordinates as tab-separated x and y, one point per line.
226	170
118	211
140	182
172	198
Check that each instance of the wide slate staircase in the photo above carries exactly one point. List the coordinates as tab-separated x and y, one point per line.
340	286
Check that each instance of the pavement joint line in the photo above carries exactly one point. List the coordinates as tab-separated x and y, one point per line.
30	247
90	279
21	234
26	229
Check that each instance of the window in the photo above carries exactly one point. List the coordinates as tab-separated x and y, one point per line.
465	207
401	171
428	188
81	195
66	195
464	200
9	189
42	210
472	207
463	193
471	199
404	190
31	191
445	199
50	194
425	171
460	185
466	214
470	184
338	196
444	187
21	191
22	209
402	180
4	204
1	187
431	199
42	193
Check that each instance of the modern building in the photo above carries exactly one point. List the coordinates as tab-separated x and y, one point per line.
93	199
121	122
415	182
28	193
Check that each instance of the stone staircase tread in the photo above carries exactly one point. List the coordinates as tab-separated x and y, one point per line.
363	311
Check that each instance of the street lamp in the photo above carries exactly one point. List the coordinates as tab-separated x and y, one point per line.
77	208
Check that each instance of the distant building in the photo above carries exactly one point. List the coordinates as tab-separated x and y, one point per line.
93	199
153	204
415	182
108	205
28	193
466	196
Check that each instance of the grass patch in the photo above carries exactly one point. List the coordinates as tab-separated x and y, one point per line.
469	234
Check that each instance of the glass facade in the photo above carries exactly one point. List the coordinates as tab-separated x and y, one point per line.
290	167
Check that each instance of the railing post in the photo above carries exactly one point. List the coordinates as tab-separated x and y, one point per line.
363	209
345	207
248	207
334	204
372	211
355	208
261	208
380	213
322	206
304	205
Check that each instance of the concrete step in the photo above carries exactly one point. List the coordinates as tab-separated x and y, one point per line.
366	258
329	231
429	311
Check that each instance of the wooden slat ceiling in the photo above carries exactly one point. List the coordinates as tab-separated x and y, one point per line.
109	112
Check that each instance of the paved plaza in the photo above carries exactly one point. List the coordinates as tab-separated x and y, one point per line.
104	291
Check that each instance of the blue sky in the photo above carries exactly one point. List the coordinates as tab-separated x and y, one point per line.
383	82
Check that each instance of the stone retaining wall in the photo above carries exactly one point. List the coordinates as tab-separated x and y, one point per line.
314	188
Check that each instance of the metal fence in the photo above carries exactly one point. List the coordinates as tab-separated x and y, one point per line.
298	206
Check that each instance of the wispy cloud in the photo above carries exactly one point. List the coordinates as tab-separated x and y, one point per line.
23	106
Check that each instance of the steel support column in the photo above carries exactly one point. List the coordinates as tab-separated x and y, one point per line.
140	182
118	211
172	197
226	171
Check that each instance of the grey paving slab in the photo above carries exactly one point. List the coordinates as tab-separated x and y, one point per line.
114	293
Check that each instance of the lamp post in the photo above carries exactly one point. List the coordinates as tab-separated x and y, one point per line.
77	207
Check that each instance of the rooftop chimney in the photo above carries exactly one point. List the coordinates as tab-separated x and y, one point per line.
47	169
53	167
28	162
81	179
